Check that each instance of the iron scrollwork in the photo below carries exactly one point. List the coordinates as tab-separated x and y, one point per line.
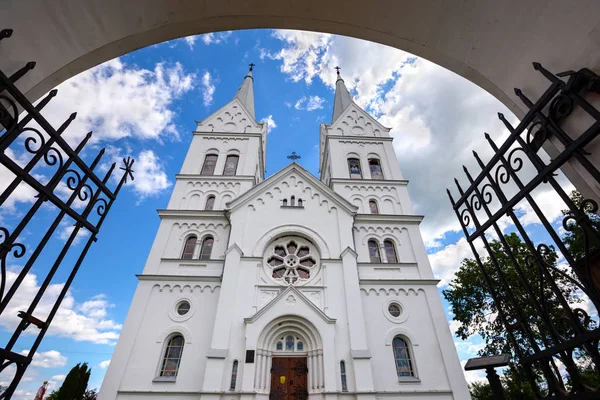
549	340
86	205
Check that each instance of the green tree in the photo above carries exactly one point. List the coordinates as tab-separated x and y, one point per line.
75	384
574	239
477	313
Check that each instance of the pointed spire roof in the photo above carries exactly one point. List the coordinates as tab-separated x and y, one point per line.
342	97
246	92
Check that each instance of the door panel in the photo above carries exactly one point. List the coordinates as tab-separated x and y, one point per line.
289	378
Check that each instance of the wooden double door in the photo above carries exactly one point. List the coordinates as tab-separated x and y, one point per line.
289	378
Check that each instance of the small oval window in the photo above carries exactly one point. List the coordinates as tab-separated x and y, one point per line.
394	310
183	308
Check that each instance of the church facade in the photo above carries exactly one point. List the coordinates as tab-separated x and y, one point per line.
291	287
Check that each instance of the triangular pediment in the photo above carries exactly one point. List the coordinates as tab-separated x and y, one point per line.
294	176
290	297
233	117
355	121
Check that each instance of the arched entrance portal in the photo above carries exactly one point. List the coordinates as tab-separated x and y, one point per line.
289	358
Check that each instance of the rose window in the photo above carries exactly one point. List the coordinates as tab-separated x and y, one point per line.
292	261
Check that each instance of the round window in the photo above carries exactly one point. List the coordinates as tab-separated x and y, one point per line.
183	308
394	310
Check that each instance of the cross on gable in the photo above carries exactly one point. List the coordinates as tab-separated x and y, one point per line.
251	66
294	156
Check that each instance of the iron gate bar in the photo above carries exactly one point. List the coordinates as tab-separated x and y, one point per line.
542	339
48	149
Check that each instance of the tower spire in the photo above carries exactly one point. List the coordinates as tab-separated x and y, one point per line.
246	92
342	97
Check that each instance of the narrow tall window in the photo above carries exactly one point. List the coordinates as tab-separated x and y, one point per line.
390	251
374	255
231	163
209	164
206	248
210	203
343	374
292	201
289	343
375	168
188	249
373	207
299	202
402	358
233	375
172	358
285	202
354	168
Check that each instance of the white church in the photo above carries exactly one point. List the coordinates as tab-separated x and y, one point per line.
291	287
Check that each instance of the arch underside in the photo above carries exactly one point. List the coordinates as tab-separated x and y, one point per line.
490	43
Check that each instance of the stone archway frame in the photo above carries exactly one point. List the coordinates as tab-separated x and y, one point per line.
313	346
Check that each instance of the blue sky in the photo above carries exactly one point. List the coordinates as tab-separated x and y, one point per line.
144	104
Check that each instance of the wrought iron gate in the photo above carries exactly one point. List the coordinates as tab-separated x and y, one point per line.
541	342
85	206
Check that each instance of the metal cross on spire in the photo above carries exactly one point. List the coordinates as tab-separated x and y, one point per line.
294	156
251	66
338	70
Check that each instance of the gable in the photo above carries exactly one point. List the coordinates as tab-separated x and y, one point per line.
234	118
294	176
354	121
290	297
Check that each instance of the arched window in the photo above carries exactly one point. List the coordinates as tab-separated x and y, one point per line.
209	164
300	346
231	163
289	343
390	251
172	357
279	346
188	249
299	202
343	375
233	375
375	168
293	201
402	358
374	255
354	168
210	203
285	202
206	248
373	207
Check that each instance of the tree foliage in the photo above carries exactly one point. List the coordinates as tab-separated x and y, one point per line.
75	385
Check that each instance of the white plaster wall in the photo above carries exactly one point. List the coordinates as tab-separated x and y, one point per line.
190	192
391	197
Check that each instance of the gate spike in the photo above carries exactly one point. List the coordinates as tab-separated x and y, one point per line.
450	195
83	142
549	75
109	173
505	122
19	74
523	98
97	159
5	33
458	186
481	164
491	142
468	174
66	123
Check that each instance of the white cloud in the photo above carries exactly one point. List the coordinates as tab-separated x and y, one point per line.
473	376
215	37
208	89
190	40
66	230
433	112
309	104
149	173
47	359
69	321
447	261
115	101
104	364
270	123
